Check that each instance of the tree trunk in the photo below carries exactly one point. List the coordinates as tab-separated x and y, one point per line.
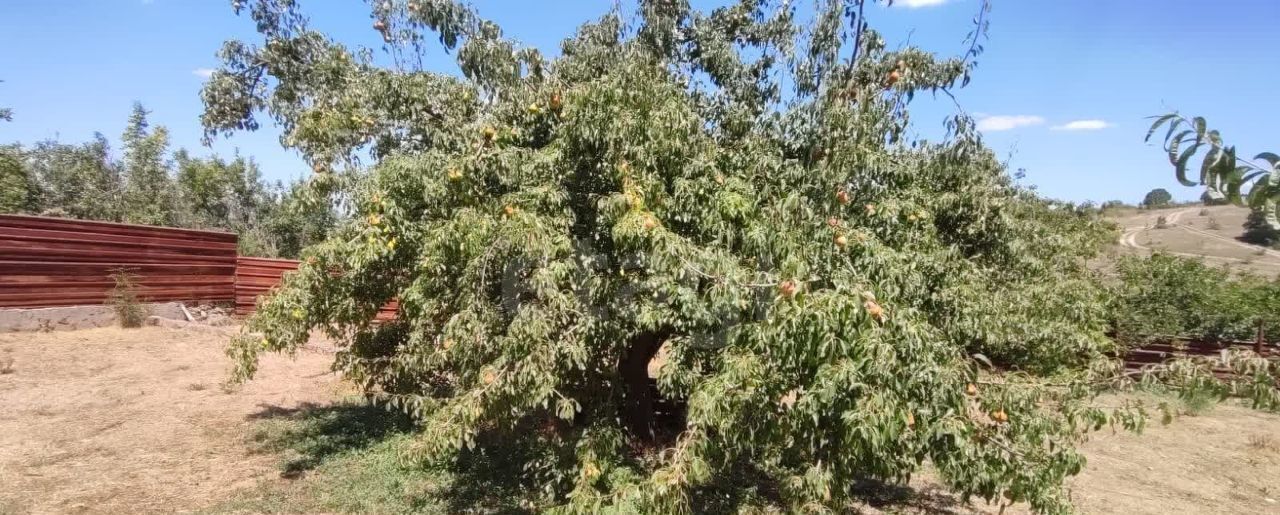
637	398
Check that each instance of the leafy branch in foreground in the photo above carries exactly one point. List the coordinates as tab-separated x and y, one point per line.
1223	174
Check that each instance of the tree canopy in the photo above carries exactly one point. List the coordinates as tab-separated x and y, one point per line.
731	199
1158	197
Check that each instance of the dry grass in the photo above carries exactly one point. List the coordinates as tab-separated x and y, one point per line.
108	421
1264	443
1222	461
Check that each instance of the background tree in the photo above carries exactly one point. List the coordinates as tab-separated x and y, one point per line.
79	181
17	192
297	221
1157	198
6	113
731	190
219	193
149	195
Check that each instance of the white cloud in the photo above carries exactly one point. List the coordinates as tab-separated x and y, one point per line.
1007	122
202	72
916	4
1083	125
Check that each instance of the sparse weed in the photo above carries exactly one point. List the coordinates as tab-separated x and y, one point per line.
124	299
1265	443
1198	403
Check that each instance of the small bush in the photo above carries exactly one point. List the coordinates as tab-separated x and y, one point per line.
1162	223
1258	231
6	365
124	299
1213	224
1199	402
1204	212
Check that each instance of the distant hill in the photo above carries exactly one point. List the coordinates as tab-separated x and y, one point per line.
1209	233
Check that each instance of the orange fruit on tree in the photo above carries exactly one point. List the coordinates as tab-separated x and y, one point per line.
788	288
874	310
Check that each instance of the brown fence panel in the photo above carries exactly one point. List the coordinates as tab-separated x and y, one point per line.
48	262
258	276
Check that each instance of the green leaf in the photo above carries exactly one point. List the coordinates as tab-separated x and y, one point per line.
1159	122
982	358
1173	145
1207	166
1181	169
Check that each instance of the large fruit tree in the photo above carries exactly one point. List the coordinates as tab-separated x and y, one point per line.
697	259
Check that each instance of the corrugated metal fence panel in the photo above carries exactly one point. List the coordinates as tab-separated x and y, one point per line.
63	262
257	276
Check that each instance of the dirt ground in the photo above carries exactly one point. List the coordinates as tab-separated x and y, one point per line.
1223	461
1209	233
135	421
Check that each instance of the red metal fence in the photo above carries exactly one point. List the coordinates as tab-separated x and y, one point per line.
46	262
63	262
257	276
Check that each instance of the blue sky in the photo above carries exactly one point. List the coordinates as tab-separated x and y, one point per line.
1062	90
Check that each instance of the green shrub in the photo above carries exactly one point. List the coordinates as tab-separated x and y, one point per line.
1167	295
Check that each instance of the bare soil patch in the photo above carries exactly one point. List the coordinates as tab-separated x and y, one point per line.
137	421
1223	461
1209	233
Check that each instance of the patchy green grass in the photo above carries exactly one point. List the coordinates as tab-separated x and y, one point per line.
341	458
347	458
